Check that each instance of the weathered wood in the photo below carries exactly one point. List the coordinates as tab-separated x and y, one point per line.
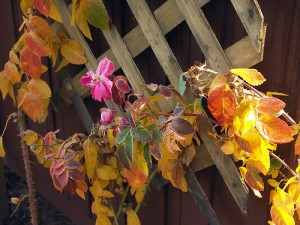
75	33
202	159
4	212
156	40
200	198
253	20
204	35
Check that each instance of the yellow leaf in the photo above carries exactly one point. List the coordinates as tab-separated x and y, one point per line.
12	72
73	52
132	218
294	191
228	148
90	149
64	62
252	76
102	219
5	84
260	157
97	190
2	152
25	5
39	88
284	200
281	217
273	183
83	24
111	138
30	137
54	52
139	196
80	193
73	12
106	173
54	14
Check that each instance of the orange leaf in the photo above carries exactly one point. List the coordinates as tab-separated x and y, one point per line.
280	216
176	175
252	76
39	88
228	148
222	104
39	26
137	175
254	180
270	105
13	57
12	72
37	45
73	52
43	6
297	146
33	106
274	129
31	63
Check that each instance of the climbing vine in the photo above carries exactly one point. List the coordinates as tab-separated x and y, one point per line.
123	153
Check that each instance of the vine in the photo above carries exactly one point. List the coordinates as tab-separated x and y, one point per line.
119	153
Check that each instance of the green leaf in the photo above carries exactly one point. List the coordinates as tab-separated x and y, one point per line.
141	134
147	156
122	157
122	136
156	135
95	13
129	147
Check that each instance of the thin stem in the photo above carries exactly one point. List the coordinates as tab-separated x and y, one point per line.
6	123
284	164
15	210
121	204
137	208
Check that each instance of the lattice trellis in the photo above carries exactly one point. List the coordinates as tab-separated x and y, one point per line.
150	32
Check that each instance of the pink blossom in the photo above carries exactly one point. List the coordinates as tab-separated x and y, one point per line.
107	116
123	123
100	83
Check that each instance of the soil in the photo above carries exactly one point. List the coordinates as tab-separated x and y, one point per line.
48	214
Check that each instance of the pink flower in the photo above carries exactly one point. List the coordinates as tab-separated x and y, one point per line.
107	116
100	83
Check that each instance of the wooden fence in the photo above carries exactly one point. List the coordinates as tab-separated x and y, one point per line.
152	27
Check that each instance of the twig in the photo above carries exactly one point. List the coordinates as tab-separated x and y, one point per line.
19	203
284	164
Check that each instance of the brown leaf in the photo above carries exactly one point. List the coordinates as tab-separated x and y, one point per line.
176	174
31	63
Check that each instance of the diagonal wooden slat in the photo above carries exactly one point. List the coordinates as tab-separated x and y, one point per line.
252	18
204	35
156	40
75	34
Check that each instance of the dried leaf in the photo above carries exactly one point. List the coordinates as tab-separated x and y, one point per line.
222	104
73	52
95	13
176	174
270	105
182	126
252	76
39	26
43	6
274	129
154	148
31	63
14	57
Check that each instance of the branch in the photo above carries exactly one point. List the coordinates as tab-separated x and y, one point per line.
284	164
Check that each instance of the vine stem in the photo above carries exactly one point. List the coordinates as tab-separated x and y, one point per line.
28	171
284	164
121	204
137	208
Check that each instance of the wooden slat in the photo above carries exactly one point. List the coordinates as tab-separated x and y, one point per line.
253	20
156	40
168	16
75	34
204	35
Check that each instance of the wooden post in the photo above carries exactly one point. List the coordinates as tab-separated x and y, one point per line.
3	194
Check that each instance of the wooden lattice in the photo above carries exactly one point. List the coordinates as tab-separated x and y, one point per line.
150	32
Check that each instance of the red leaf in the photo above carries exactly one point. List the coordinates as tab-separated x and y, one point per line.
71	186
254	180
270	105
43	6
76	175
155	149
39	26
165	91
122	85
31	63
61	181
116	95
297	146
274	129
222	104
140	103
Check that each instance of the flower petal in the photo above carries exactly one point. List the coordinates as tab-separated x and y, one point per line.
86	81
107	94
105	67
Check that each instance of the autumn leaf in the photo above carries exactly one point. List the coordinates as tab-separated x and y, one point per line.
274	129
297	145
182	126
90	149
132	218
39	88
95	13
2	152
54	14
73	52
254	180
170	139
252	76
31	63
36	44
176	174
39	26
106	173
25	5
43	6
14	57
280	216
33	106
82	24
228	148
283	199
140	104
270	105
30	137
102	219
12	72
5	84
222	104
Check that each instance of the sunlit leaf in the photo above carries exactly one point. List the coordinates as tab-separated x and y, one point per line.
12	72
283	199
294	191
141	134
280	216
228	148
243	143
254	180
106	173
297	145
274	129
82	24
218	80
260	157
31	63
182	126
222	104
2	152
272	182
270	105
95	13
176	174
73	52
39	88
43	6
54	14
252	76
132	218
90	149
39	26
